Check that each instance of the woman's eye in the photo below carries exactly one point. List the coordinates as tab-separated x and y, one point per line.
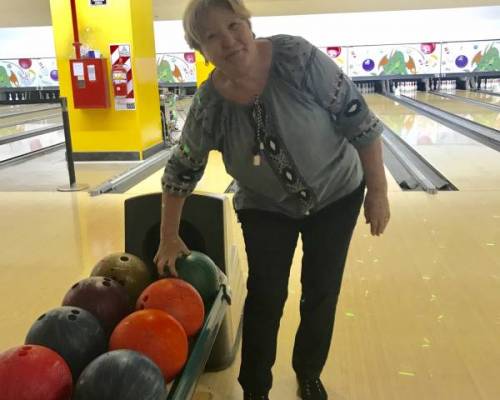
234	25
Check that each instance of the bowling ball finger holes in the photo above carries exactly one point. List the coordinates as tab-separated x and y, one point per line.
121	282
73	316
106	283
24	351
124	258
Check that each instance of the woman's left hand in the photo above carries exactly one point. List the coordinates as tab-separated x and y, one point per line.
377	212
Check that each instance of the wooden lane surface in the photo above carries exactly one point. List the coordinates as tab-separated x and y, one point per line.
469	111
484	97
418	314
468	164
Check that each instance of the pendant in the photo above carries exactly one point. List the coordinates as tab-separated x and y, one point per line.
256	160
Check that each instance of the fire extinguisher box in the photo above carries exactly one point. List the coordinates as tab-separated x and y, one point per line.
89	79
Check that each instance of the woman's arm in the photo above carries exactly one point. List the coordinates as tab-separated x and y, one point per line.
171	245
377	212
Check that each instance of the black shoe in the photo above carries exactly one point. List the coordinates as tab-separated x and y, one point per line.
253	396
311	389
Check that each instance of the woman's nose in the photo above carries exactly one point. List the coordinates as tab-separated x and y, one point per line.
227	39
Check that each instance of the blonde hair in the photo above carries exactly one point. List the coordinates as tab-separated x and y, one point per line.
194	13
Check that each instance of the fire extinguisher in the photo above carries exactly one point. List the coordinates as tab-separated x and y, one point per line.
119	79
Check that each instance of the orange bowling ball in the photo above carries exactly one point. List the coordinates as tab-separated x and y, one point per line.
157	335
178	298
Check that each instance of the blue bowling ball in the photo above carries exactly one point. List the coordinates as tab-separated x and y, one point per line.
461	61
368	64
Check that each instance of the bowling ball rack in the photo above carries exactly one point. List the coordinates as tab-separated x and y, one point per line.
203	228
184	386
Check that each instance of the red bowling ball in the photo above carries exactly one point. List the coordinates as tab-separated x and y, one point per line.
179	299
33	373
156	334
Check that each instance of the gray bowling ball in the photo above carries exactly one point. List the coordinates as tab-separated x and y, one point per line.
121	375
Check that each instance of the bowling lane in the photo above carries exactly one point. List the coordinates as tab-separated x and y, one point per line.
471	112
468	164
30	126
31	117
19	108
47	171
484	97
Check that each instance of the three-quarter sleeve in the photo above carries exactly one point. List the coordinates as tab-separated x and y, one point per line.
334	91
187	160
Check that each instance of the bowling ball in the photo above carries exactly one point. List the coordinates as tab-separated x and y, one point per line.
54	75
190	57
103	297
32	373
157	335
25	63
428	48
179	299
121	374
128	270
334	51
200	271
368	64
461	61
73	333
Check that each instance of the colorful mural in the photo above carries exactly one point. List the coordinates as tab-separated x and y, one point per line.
362	61
176	68
27	72
471	57
394	60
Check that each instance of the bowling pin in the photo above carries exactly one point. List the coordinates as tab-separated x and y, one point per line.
397	91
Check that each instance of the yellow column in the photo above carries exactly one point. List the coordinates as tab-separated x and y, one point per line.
109	134
203	69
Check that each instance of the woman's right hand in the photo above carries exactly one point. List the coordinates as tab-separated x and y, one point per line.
169	250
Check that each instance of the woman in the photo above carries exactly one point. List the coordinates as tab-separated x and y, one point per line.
300	142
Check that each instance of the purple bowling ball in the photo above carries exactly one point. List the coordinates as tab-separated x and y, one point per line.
54	75
368	65
461	61
103	297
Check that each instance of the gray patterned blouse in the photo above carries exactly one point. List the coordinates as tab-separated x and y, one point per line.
294	150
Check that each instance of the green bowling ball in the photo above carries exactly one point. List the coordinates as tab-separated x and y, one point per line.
200	271
128	270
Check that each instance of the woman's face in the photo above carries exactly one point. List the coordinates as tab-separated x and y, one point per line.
227	41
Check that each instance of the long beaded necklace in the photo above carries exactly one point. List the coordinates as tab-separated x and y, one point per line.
258	118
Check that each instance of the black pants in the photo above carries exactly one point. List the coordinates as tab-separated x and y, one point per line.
270	241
